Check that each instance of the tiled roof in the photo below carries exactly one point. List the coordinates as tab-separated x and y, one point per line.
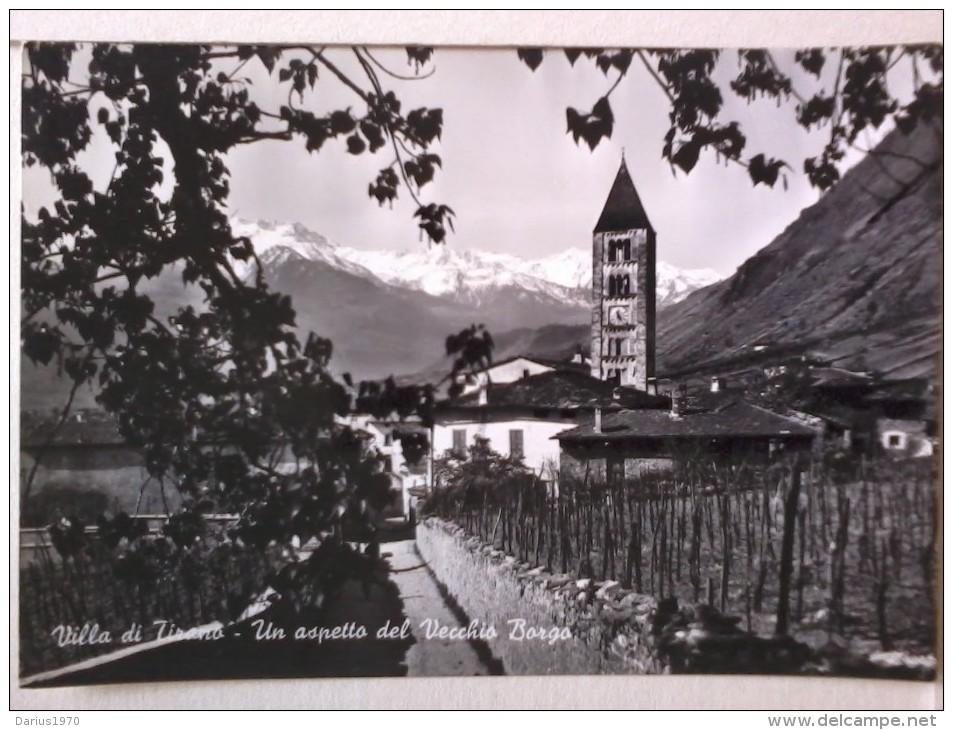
844	416
623	209
832	377
86	429
735	419
914	389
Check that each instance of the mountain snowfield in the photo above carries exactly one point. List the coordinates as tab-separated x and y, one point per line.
466	276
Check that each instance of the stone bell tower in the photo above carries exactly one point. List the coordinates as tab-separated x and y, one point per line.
623	288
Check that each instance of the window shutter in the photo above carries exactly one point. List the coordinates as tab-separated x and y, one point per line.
516	443
460	442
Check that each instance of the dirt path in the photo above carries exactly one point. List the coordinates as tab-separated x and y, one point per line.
422	601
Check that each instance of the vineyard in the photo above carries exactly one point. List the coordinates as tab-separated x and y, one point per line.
819	548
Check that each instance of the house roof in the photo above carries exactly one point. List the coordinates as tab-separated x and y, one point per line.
81	429
910	390
734	419
623	209
561	389
545	361
833	377
843	416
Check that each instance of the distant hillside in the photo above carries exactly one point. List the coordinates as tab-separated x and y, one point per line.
857	275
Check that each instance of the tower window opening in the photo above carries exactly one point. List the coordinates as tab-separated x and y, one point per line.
620	285
620	250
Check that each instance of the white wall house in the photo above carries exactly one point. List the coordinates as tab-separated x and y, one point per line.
902	436
382	436
520	417
510	433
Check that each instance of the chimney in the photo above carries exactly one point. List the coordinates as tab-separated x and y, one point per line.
482	394
717	384
597	421
651	386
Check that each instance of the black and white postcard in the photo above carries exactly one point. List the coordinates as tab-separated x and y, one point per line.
421	361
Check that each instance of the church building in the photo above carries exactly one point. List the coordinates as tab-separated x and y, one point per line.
628	440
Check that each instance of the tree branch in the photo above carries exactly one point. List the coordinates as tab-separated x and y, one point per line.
392	73
777	70
658	80
342	77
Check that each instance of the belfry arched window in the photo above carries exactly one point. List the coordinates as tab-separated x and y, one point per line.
620	250
620	285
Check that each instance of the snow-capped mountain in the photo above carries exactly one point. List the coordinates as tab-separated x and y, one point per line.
467	276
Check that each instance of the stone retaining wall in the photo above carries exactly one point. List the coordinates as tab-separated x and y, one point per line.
581	626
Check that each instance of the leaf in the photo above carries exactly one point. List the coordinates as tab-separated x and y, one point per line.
686	157
355	145
812	60
40	344
269	56
342	122
418	56
762	170
573	55
622	60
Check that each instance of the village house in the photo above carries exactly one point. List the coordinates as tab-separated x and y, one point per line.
858	410
628	442
520	418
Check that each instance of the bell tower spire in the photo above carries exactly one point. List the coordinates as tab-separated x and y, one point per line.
623	288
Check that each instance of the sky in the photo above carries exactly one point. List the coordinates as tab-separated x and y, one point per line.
516	180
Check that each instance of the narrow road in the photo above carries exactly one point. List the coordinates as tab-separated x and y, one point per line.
412	593
426	608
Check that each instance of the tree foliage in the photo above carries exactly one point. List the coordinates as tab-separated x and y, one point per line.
847	90
225	401
480	477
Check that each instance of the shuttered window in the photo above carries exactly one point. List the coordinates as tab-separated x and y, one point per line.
460	441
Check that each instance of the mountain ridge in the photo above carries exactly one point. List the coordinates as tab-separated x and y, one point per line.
465	275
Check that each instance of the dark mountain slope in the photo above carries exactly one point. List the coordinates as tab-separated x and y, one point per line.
857	275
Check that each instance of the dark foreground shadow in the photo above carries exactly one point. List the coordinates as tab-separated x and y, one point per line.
246	653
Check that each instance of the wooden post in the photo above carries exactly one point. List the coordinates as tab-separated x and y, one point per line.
787	551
